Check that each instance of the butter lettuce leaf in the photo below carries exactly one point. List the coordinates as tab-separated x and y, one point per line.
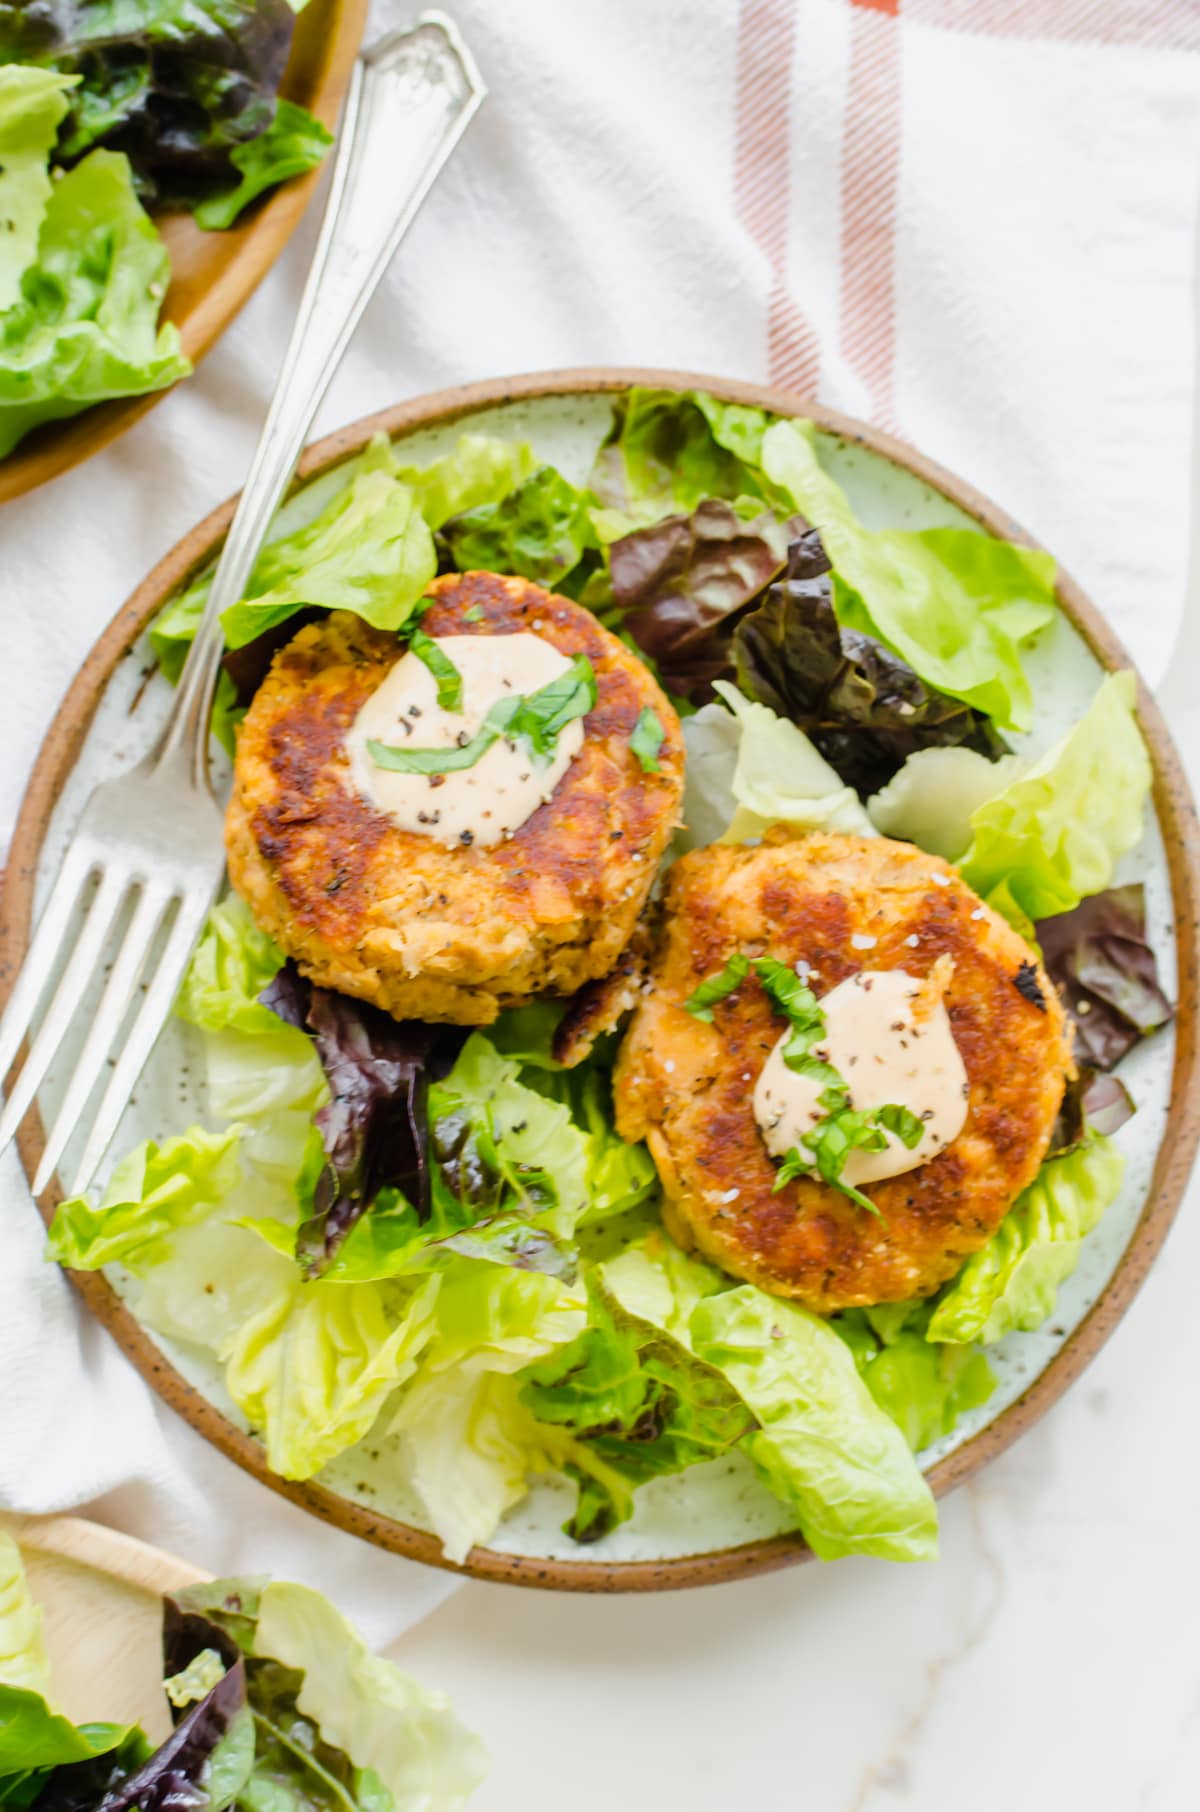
32	104
931	800
151	1194
401	1735
1053	835
954	604
669	450
1013	1282
540	531
84	327
748	769
469	1442
924	1388
313	1368
370	551
822	1445
637	1404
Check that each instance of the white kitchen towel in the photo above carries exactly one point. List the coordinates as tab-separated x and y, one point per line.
968	220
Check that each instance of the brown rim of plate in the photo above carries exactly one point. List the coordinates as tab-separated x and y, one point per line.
1176	814
213	275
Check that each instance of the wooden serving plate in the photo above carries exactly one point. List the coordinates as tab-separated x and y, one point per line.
100	1594
212	274
1167	1162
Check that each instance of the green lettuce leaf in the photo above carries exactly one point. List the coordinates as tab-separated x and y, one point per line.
32	104
637	1405
748	769
1054	833
370	551
481	470
402	1734
469	1442
230	967
823	1445
932	799
954	604
507	1158
922	1387
666	451
313	1368
1013	1281
23	1659
152	1193
35	1740
538	531
293	143
84	328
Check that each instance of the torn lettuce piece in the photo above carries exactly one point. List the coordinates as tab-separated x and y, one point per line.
1053	835
668	450
1013	1282
777	777
954	604
84	328
410	1751
637	1405
931	800
313	1368
539	531
151	1195
823	1445
32	104
924	1388
292	144
370	551
469	1443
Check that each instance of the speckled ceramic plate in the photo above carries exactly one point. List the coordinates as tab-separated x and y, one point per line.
716	1521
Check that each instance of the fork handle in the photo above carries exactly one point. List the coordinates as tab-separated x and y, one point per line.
411	97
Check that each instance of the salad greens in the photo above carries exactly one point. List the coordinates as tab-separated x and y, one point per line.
186	89
277	1703
82	279
167	102
1013	1281
437	1240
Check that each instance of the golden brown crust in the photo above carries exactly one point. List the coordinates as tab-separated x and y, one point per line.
687	1087
600	1006
392	917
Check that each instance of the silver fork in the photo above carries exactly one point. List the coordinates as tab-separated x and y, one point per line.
151	840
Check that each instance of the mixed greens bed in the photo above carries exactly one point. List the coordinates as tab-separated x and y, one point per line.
438	1241
277	1705
108	110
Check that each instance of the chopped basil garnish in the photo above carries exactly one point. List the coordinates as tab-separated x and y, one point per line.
449	679
536	720
843	1130
718	987
432	761
647	739
547	712
903	1123
474	615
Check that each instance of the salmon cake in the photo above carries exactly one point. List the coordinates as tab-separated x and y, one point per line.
455	824
843	973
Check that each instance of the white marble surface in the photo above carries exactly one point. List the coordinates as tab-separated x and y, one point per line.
1047	1661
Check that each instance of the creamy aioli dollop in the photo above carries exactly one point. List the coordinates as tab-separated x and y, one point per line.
479	805
888	1035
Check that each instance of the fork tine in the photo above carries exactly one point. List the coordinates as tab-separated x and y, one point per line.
151	1017
39	958
84	960
130	961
